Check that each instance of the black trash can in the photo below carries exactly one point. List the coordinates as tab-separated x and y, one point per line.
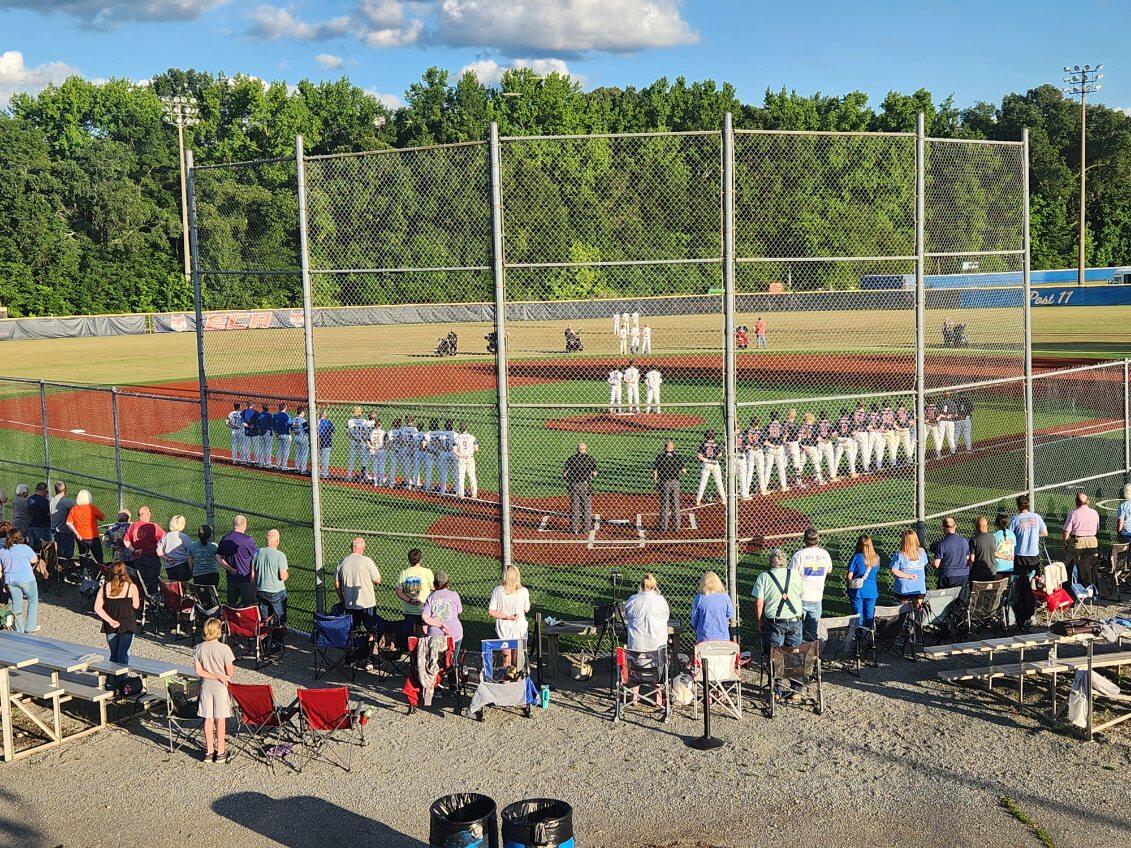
538	823
463	820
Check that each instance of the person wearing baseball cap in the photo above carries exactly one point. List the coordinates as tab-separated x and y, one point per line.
442	610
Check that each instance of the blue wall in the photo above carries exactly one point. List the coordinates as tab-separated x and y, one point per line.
1049	296
995	278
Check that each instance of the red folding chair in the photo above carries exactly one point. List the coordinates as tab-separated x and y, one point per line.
176	606
449	671
248	633
260	720
328	724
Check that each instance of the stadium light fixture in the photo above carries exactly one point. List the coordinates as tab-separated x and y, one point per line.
182	111
1082	81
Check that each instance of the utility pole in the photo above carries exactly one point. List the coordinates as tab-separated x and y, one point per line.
1082	81
182	112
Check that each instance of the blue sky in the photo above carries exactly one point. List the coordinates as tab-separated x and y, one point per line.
974	50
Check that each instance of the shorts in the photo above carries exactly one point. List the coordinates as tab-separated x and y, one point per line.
214	703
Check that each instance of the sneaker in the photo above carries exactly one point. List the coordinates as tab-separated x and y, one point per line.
208	757
34	629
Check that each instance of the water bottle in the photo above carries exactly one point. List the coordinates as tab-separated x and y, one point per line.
544	699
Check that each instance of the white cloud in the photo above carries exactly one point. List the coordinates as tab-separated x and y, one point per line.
389	101
491	72
562	26
329	61
17	76
272	23
103	14
382	14
394	36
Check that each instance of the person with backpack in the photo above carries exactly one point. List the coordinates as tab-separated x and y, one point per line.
117	604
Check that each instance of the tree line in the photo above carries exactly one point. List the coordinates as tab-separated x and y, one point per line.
90	207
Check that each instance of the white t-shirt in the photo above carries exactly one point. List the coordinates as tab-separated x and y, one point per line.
516	603
356	574
814	565
647	615
174	547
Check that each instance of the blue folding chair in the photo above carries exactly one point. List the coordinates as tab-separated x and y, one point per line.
335	644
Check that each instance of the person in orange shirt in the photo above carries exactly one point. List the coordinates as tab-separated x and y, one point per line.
83	520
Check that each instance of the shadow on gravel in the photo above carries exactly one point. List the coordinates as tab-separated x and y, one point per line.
307	822
15	832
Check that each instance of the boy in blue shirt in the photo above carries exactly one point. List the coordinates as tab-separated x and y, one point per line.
1029	528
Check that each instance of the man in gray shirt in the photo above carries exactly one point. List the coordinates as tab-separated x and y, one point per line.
354	580
61	505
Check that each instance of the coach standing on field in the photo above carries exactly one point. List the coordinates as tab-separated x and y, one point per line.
666	471
578	473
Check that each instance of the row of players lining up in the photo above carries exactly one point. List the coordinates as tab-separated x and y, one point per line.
421	456
863	437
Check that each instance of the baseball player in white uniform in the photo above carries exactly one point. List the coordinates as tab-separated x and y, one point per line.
790	432
948	415
964	420
378	466
876	437
741	466
903	431
410	440
807	436
300	432
625	323
616	323
826	451
235	425
448	463
861	436
931	428
636	320
775	451
358	443
646	339
465	447
616	390
891	433
652	382
632	381
622	338
845	443
634	336
393	451
755	458
433	444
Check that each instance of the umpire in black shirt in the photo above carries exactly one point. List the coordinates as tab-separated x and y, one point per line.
666	471
578	472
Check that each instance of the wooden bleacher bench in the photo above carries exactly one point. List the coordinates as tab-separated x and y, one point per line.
34	685
1030	668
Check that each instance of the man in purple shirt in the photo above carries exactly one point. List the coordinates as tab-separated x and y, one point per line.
234	555
1081	547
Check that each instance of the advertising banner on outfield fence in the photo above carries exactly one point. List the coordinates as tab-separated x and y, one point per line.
244	319
1066	296
14	329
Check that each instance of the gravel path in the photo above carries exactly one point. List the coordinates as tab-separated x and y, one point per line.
897	759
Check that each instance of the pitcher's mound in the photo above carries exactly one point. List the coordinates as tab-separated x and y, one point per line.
639	422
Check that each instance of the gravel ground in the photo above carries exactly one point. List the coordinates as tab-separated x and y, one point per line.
898	758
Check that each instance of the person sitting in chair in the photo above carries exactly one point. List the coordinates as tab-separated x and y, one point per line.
646	616
908	566
711	610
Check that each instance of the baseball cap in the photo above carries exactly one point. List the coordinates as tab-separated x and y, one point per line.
440	578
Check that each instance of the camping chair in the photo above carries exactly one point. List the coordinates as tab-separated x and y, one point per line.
943	612
327	723
448	670
724	677
248	632
259	720
182	700
176	607
205	605
801	665
842	642
335	644
392	653
1115	571
642	677
502	684
149	603
1053	602
984	607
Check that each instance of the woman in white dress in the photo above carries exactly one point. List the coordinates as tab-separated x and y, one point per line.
510	602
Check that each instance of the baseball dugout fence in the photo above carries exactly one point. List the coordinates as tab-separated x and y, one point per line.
448	325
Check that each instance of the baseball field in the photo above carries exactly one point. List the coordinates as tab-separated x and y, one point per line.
815	362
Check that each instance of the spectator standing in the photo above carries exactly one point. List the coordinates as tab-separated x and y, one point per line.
39	518
141	540
760	333
983	551
908	566
82	521
812	564
215	665
234	554
115	537
354	580
202	558
17	560
578	472
270	569
1029	528
117	604
1123	521
1081	546
777	603
61	505
174	551
667	470
442	610
646	618
711	610
413	585
20	508
1005	541
509	604
861	584
950	557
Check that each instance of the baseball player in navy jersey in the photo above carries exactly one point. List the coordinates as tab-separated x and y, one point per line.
826	452
948	415
903	432
790	434
250	434
393	449
448	458
356	443
324	432
632	381
931	427
774	441
708	456
281	423
300	433
739	465
876	436
891	436
235	426
433	445
964	420
861	436
616	390
846	445
265	421
807	437
755	458
378	467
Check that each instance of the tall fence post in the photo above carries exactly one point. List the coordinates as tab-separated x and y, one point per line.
920	327
1127	416
114	417
201	371
729	378
311	408
1027	313
46	438
499	269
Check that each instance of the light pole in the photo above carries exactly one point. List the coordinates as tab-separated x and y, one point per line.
1082	81
182	112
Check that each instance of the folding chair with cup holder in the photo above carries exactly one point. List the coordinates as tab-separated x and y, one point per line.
248	633
205	605
985	606
503	678
1053	601
335	645
259	721
150	604
842	641
328	724
1115	570
801	667
642	677
724	677
182	700
176	606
